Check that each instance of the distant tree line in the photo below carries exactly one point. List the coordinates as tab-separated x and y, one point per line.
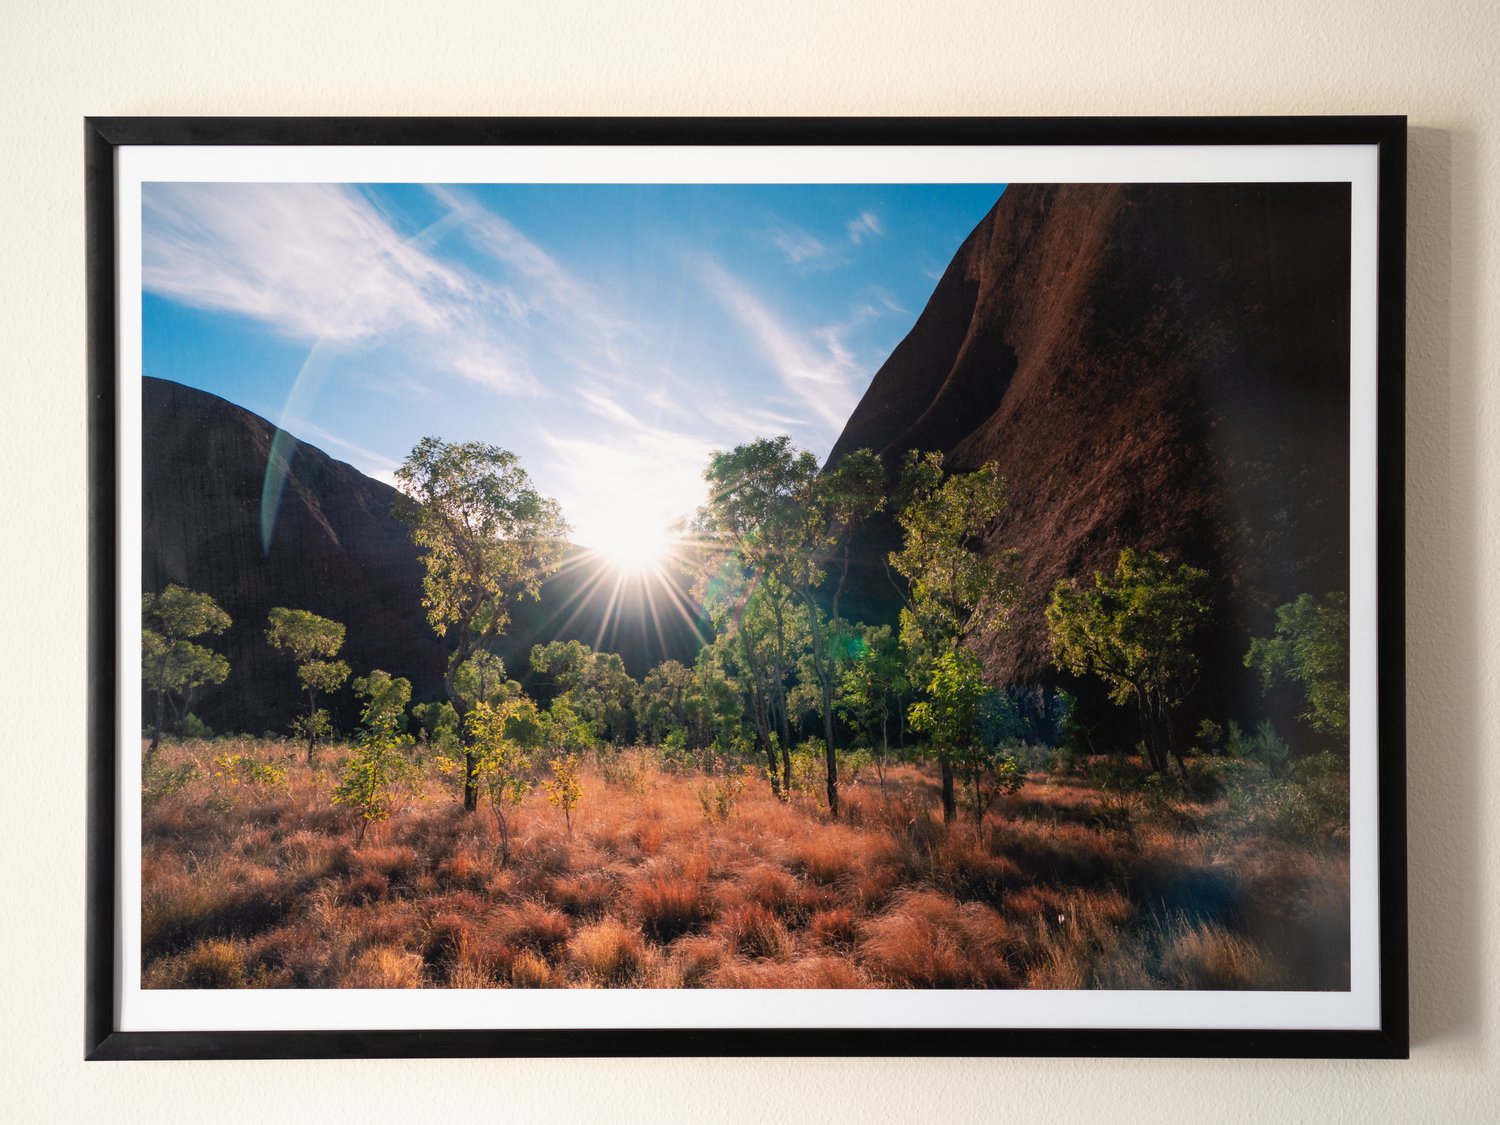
770	553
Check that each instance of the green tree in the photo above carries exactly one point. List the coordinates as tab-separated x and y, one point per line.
380	760
871	691
482	679
487	538
385	697
952	715
503	740
595	684
1133	630
1311	648
661	707
714	711
172	663
955	589
312	642
784	520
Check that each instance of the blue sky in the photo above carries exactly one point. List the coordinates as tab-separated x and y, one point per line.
611	335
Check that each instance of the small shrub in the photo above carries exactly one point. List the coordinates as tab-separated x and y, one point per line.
162	780
717	795
378	765
623	769
194	727
1263	747
241	769
563	790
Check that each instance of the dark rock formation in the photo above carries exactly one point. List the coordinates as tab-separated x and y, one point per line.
336	550
1159	366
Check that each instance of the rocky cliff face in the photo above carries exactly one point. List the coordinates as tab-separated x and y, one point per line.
1158	366
336	550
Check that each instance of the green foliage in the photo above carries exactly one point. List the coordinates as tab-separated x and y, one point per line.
486	535
661	708
955	588
1263	746
385	697
312	642
482	679
720	792
563	790
1308	805
439	727
487	538
871	690
162	781
594	684
315	727
232	771
1311	648
373	772
1133	630
563	729
172	663
951	716
303	635
772	525
194	727
505	739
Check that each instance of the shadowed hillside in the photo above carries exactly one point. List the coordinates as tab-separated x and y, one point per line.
1159	366
338	552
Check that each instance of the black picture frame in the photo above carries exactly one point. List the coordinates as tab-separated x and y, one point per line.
105	136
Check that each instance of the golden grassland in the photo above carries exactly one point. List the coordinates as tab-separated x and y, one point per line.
259	883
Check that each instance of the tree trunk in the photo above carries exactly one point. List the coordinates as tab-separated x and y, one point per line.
885	748
833	780
759	711
312	723
823	662
450	687
1148	729
1171	739
471	783
504	836
156	730
950	803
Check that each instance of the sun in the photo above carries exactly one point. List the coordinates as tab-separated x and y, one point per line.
633	545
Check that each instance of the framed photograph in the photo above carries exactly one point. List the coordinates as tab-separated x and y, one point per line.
630	587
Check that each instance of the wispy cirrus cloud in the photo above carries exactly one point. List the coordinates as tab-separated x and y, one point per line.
865	225
321	263
799	246
809	252
313	261
550	288
820	374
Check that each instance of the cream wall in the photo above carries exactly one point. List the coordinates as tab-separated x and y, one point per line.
1435	61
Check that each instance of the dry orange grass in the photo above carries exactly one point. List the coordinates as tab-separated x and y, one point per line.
262	886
